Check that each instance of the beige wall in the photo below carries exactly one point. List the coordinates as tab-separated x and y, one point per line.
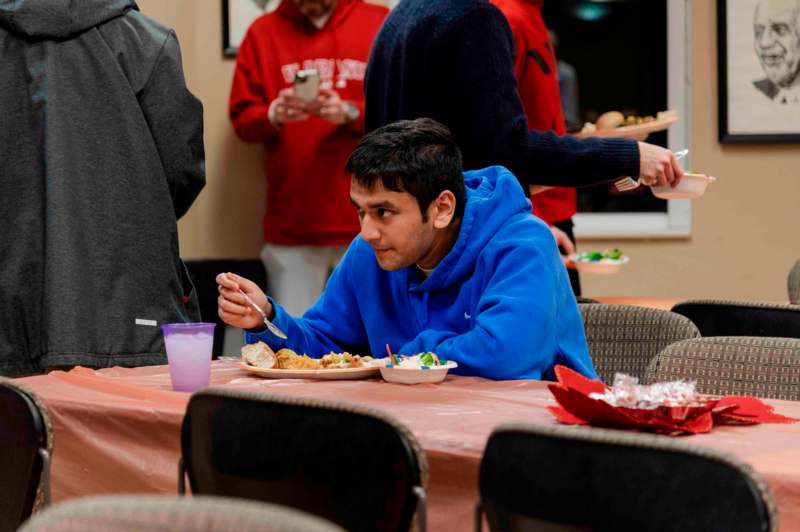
225	221
746	229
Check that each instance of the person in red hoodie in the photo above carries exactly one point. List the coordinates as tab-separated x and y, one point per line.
309	220
536	71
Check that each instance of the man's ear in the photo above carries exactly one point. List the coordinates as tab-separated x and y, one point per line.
444	209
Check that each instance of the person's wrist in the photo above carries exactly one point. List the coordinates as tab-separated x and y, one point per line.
351	112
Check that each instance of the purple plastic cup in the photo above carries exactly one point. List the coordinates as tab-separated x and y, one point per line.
189	354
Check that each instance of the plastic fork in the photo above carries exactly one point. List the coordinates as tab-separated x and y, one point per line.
628	183
272	328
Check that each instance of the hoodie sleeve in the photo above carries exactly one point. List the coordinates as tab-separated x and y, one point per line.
248	106
493	130
516	331
332	324
175	118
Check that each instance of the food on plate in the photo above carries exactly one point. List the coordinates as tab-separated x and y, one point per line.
604	262
259	355
426	360
288	359
615	119
610	120
633	120
344	360
421	368
597	256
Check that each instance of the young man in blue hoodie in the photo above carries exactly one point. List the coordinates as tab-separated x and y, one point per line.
446	261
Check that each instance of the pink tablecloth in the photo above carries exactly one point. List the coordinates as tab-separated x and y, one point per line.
118	431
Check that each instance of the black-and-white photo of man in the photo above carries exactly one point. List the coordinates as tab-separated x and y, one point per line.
776	28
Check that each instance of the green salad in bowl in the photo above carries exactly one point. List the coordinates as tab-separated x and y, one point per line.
604	262
596	256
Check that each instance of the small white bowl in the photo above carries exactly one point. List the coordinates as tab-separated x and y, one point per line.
691	186
603	266
401	375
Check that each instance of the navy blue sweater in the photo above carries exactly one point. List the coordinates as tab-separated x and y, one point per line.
453	61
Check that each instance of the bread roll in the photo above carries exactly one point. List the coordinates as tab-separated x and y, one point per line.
610	120
259	355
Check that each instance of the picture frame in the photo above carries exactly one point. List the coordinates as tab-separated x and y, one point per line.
237	15
758	45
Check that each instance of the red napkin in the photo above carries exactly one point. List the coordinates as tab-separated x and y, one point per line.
576	407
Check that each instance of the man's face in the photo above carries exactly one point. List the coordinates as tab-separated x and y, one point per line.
392	224
777	39
314	8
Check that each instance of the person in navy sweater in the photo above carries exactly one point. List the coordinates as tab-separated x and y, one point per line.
447	261
453	61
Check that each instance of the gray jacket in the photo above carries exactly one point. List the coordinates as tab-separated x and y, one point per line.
101	151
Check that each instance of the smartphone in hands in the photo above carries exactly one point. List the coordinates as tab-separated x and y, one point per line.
306	84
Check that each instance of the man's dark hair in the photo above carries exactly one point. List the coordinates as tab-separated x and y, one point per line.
415	156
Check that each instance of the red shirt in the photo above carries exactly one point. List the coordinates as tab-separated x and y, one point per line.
307	190
537	82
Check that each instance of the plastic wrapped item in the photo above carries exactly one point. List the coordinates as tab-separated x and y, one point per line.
669	407
626	392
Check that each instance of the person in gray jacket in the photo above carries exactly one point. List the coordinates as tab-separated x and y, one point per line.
101	151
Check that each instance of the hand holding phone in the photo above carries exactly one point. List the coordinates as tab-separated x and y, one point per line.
287	107
333	109
306	85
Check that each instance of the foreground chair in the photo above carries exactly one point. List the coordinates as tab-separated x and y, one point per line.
26	445
740	318
199	514
624	338
580	478
794	284
734	365
356	467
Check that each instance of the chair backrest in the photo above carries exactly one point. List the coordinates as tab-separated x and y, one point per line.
733	365
578	478
740	318
354	466
624	338
794	284
26	444
197	514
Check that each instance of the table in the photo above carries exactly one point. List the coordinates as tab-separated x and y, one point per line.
664	303
117	430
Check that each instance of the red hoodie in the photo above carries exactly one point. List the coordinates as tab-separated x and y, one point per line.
537	82
307	190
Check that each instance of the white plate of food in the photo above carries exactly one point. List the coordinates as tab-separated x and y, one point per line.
615	124
317	374
601	262
416	369
692	186
260	360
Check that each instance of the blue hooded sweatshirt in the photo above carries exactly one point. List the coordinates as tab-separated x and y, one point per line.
499	304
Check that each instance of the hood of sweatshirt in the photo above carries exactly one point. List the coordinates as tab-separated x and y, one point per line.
58	19
494	196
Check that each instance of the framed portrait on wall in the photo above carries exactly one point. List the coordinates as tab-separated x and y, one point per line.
759	70
237	15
